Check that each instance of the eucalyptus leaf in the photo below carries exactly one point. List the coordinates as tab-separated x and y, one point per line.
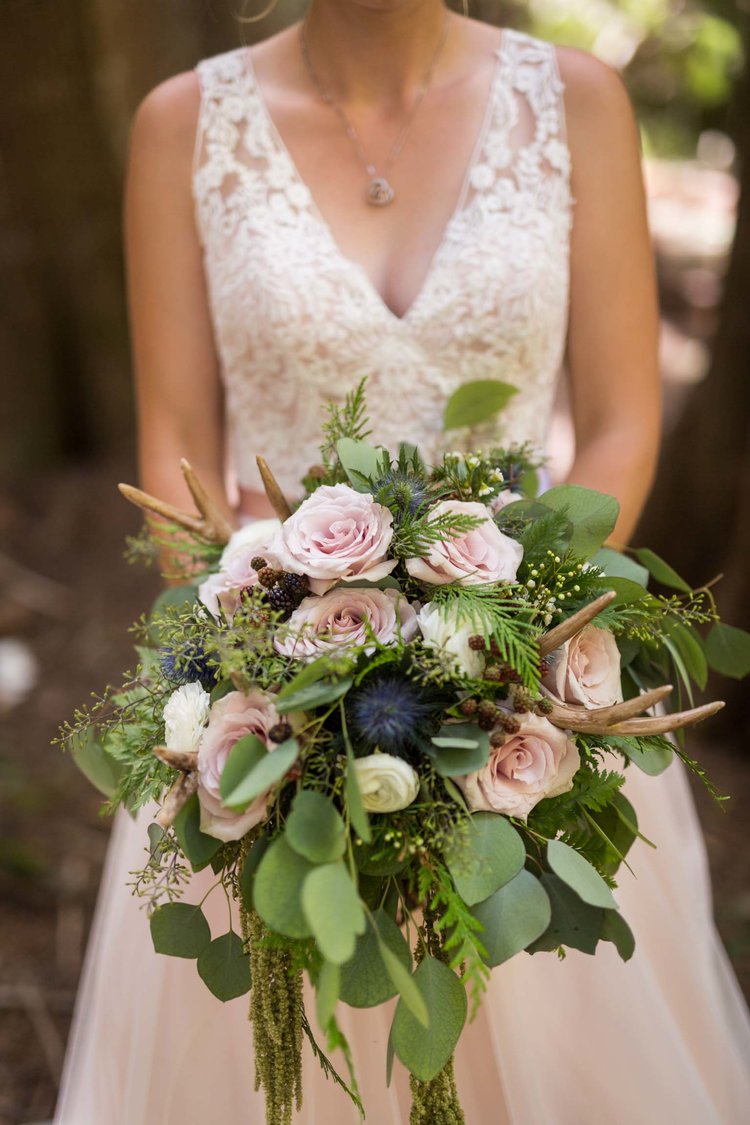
650	755
365	979
327	992
616	565
179	930
246	753
514	917
690	647
425	1052
570	866
198	847
360	461
626	591
476	402
266	773
224	967
460	748
308	674
277	890
484	855
405	985
315	829
593	514
661	570
313	695
370	860
728	650
97	766
616	930
333	911
354	804
574	923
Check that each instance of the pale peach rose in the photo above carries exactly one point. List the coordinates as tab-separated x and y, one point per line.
221	591
586	669
483	554
346	617
231	718
503	499
540	761
336	535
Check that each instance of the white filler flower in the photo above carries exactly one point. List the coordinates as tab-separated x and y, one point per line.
185	715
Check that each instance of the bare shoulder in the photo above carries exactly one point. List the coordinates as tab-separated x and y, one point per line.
165	122
598	108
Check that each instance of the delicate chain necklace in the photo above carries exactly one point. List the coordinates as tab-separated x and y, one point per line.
379	190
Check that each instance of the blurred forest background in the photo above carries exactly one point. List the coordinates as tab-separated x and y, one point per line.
72	73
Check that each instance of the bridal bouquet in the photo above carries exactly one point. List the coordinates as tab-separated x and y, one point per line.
391	722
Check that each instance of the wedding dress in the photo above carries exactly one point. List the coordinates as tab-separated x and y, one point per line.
579	1042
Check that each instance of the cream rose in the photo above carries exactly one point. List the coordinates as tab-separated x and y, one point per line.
231	718
221	591
346	617
586	669
483	554
442	628
540	761
185	716
336	535
386	783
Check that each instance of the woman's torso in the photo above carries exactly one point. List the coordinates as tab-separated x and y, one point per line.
297	322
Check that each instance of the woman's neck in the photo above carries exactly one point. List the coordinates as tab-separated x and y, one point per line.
375	50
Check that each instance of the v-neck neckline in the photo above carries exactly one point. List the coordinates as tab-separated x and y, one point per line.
351	263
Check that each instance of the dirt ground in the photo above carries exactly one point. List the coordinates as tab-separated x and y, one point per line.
70	528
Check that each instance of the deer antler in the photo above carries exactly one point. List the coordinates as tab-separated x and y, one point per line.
186	761
561	633
273	492
210	523
620	720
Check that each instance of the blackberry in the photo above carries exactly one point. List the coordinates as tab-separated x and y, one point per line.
497	738
257	562
486	715
544	706
511	725
492	672
296	584
523	701
468	707
281	601
280	731
476	642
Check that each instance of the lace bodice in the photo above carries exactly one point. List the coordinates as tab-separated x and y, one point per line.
298	324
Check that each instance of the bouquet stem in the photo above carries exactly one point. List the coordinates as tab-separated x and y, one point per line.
275	1013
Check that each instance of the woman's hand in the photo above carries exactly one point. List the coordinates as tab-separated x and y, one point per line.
613	332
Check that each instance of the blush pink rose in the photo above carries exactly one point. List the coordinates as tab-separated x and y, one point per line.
586	669
231	718
345	617
336	535
483	554
221	591
540	761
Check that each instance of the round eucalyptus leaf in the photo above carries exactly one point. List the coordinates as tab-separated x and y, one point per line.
225	967
277	893
314	828
179	930
426	1051
333	911
249	869
365	980
327	992
616	930
574	923
484	856
514	917
199	848
570	866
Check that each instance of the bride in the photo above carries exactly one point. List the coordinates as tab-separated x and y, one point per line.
395	191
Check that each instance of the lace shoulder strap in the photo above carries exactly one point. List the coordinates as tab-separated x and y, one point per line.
533	74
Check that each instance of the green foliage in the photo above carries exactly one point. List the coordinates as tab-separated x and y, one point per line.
570	866
513	917
365	979
263	774
180	930
425	1052
224	968
574	922
592	514
314	828
333	911
344	422
484	854
198	847
728	650
476	402
418	531
277	890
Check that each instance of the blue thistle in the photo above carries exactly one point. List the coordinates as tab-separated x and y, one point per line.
186	665
391	714
402	490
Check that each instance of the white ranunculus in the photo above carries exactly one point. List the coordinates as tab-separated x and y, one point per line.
386	783
185	715
442	628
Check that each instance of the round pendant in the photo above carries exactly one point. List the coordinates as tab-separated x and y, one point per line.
380	192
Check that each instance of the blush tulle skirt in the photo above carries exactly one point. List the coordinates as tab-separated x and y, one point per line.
662	1038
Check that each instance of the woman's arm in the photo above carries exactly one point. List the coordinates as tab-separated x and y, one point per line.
614	319
178	389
